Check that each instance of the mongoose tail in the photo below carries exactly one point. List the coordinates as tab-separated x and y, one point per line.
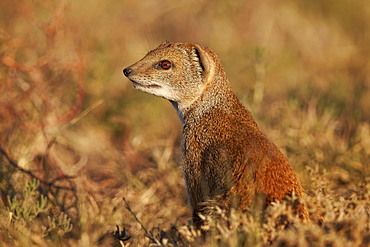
227	160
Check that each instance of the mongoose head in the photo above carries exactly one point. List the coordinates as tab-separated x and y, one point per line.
178	72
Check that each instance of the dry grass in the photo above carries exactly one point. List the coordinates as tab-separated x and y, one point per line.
75	138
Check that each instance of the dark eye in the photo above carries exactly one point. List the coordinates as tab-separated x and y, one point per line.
165	64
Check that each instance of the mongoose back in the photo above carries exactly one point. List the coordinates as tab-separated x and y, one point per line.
227	160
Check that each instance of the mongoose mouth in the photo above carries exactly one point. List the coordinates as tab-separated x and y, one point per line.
138	85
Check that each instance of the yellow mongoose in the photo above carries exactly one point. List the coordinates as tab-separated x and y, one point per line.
227	160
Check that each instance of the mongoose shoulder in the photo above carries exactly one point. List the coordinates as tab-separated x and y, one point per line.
227	160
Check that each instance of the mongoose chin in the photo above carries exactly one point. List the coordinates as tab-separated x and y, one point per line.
227	161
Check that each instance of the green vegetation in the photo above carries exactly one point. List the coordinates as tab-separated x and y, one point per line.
85	160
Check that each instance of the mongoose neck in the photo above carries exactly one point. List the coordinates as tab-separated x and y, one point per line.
215	96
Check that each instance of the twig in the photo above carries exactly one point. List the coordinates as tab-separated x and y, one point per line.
16	166
134	215
147	233
83	114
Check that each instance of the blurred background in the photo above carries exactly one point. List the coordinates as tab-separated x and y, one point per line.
69	117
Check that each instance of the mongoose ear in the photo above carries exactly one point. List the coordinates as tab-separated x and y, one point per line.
203	56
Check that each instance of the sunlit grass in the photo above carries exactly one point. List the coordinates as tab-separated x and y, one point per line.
76	138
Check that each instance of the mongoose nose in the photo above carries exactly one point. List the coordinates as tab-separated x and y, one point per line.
127	71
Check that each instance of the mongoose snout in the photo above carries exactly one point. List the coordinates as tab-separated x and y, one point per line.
127	71
227	161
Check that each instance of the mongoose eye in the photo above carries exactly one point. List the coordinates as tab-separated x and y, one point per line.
165	64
